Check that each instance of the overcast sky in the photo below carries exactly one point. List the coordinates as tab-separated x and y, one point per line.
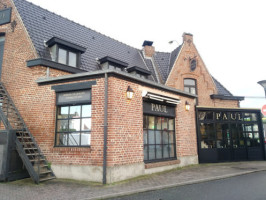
230	35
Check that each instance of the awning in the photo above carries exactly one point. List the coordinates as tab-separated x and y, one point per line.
160	98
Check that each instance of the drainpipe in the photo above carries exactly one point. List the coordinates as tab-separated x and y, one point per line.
105	126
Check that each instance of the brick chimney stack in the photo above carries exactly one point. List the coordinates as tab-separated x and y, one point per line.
188	37
148	49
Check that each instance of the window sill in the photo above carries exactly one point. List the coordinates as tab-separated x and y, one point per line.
162	163
71	149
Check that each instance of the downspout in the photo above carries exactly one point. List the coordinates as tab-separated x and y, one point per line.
105	126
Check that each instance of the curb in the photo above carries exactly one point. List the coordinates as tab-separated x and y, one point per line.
119	194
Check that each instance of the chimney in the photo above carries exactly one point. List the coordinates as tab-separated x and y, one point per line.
188	37
148	49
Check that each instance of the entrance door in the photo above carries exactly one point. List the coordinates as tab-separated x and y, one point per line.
229	135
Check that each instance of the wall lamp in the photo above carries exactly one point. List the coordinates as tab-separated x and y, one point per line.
130	93
187	106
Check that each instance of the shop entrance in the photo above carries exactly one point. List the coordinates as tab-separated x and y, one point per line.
229	135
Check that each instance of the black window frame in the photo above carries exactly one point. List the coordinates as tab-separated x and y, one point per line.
191	86
69	118
86	86
68	50
244	123
161	144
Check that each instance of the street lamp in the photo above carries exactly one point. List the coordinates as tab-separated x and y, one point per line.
263	84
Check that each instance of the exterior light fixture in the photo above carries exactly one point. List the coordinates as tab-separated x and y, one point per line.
263	84
130	93
172	41
187	106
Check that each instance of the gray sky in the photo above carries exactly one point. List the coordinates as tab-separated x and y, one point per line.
230	35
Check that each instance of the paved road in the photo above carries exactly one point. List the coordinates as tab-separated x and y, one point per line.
251	187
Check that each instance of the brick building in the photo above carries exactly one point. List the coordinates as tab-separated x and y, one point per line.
78	104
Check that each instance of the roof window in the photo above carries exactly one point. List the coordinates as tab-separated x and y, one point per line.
65	52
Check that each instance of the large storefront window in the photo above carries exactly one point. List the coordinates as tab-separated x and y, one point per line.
159	138
229	135
228	129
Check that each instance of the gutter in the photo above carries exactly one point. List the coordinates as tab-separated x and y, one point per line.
105	127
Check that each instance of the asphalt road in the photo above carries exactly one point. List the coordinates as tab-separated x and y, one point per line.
246	187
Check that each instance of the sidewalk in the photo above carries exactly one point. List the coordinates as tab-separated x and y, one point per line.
65	189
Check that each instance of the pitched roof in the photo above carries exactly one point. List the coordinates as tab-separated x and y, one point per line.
42	25
221	89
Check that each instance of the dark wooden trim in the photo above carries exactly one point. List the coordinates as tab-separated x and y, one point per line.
115	62
55	40
54	65
223	97
73	86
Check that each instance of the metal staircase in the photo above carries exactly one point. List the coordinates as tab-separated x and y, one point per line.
27	148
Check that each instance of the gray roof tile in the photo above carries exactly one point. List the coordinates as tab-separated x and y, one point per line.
42	25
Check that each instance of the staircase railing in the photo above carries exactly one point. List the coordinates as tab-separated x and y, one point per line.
26	145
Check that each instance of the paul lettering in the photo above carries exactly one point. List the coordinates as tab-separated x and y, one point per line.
158	108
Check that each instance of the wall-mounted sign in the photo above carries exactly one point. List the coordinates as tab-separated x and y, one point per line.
74	97
5	16
158	109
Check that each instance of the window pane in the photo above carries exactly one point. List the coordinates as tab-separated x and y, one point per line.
192	90
61	139
158	123
62	125
85	139
86	111
145	137
62	56
72	59
166	151
186	89
171	137
164	124
158	137
145	152
151	137
63	112
145	122
159	152
74	112
189	82
255	127
86	124
73	139
74	125
2	38
151	152
53	52
171	124
151	122
165	137
172	150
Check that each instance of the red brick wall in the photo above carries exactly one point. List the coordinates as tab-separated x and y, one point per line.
125	118
36	103
205	83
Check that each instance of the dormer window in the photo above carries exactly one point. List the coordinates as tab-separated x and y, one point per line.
65	52
139	72
108	62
